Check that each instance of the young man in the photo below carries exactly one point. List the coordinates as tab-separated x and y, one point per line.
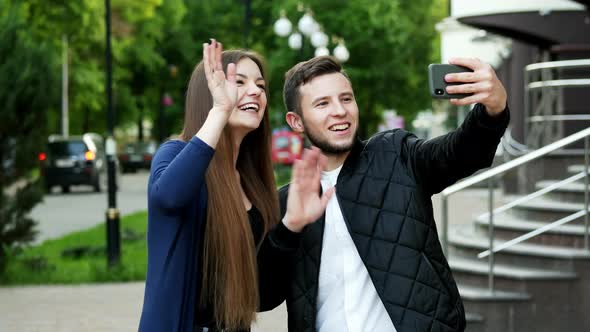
373	261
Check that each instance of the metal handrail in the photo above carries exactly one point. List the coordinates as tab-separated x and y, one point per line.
491	175
516	162
533	233
548	82
571	82
560	117
536	194
511	145
569	64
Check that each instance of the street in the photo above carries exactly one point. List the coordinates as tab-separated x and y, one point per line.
82	208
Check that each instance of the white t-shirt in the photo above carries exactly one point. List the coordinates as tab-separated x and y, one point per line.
347	299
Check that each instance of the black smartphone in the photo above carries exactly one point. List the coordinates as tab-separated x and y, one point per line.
437	83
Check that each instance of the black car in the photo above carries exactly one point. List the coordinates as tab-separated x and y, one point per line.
137	155
74	160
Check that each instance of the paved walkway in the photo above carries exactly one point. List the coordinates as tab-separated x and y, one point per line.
117	307
96	308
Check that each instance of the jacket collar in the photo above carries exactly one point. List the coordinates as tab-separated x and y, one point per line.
351	159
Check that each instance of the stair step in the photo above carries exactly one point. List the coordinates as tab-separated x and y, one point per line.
481	267
466	238
508	222
472	317
508	227
480	294
467	243
571	192
552	205
574	187
545	209
573	169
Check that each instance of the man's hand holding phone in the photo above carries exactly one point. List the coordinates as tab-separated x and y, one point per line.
482	83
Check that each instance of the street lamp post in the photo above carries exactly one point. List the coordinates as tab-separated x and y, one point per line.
112	214
308	27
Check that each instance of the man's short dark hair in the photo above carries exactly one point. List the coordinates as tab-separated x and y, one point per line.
304	72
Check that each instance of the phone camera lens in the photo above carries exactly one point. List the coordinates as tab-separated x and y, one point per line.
439	92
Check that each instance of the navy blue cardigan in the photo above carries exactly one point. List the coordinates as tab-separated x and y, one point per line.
177	205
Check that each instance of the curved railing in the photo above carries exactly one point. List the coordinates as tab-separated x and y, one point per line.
543	99
493	174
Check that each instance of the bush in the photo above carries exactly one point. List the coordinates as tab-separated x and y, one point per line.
27	76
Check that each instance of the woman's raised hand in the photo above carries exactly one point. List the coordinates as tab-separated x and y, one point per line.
223	89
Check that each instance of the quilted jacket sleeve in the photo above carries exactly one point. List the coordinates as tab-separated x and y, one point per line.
274	263
439	162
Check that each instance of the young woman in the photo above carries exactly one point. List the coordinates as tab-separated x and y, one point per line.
212	200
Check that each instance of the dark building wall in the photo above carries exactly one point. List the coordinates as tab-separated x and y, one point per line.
511	74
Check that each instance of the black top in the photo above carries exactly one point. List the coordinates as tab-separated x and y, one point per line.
204	317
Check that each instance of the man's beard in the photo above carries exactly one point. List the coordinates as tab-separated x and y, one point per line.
327	147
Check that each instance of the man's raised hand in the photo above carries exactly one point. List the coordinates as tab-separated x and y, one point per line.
305	205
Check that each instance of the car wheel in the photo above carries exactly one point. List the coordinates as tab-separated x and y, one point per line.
65	189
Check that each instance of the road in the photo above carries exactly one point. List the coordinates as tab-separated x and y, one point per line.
82	208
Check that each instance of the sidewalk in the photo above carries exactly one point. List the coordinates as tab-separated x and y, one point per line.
117	307
96	308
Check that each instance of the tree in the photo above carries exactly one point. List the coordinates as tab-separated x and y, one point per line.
390	43
27	91
156	48
83	23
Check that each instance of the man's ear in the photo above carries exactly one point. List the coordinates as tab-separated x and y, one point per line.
294	121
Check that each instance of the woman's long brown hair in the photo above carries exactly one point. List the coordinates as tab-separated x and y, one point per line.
230	279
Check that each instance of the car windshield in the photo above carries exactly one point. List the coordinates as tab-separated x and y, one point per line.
67	148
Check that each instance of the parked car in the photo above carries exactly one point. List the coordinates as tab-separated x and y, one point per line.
137	155
74	160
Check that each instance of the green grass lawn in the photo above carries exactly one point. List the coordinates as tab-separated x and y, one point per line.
45	264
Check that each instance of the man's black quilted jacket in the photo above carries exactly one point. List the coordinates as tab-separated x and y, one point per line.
384	190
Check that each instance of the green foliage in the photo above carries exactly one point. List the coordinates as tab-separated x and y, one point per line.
391	42
390	47
82	22
26	90
45	263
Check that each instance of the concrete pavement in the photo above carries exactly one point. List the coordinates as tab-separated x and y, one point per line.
96	308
